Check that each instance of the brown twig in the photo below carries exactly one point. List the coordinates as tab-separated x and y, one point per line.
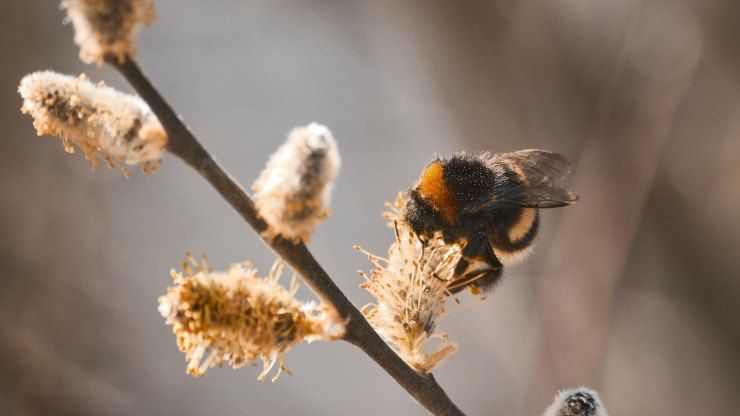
182	143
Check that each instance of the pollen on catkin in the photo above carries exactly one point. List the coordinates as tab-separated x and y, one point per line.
294	189
409	288
395	215
238	317
107	27
580	401
105	124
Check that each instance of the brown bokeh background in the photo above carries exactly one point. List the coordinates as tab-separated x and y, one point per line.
633	291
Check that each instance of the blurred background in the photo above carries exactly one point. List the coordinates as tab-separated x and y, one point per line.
633	291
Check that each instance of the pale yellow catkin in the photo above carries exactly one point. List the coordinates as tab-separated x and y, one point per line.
238	317
105	124
409	288
108	27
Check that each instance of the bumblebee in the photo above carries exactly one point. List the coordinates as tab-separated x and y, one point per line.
489	205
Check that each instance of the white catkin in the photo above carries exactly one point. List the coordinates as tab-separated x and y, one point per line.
107	27
294	189
580	401
106	124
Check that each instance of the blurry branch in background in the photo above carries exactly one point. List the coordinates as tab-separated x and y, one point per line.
632	124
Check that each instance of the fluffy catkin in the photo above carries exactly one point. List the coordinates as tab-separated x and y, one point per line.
409	290
294	189
106	124
107	27
238	317
581	401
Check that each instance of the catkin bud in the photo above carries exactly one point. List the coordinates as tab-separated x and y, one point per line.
581	401
409	288
237	317
106	124
107	27
294	189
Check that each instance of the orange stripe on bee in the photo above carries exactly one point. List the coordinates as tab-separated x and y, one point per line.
433	186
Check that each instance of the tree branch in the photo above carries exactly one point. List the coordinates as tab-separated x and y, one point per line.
182	143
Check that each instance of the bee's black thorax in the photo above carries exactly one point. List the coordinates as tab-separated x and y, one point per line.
470	178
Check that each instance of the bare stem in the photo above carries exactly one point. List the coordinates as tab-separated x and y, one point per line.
422	387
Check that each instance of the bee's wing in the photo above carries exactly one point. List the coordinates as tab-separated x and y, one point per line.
539	182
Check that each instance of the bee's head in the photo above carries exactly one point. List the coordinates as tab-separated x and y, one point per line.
421	215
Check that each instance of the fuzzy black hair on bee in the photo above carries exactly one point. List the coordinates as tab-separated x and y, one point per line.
489	205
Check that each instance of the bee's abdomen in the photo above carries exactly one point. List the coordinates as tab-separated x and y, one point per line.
521	229
512	237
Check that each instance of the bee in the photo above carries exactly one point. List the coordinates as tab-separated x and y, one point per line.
488	204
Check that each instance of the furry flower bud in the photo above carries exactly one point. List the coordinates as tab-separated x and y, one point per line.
294	189
238	317
581	401
104	123
107	27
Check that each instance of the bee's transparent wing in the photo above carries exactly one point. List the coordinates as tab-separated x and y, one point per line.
539	182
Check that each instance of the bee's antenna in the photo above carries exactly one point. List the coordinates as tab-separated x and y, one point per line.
465	306
453	296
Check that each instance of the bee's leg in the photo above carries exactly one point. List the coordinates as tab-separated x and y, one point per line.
478	265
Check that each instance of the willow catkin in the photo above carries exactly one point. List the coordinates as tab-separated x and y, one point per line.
409	288
580	401
104	123
107	27
238	317
294	189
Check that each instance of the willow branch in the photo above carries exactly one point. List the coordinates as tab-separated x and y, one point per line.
421	386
